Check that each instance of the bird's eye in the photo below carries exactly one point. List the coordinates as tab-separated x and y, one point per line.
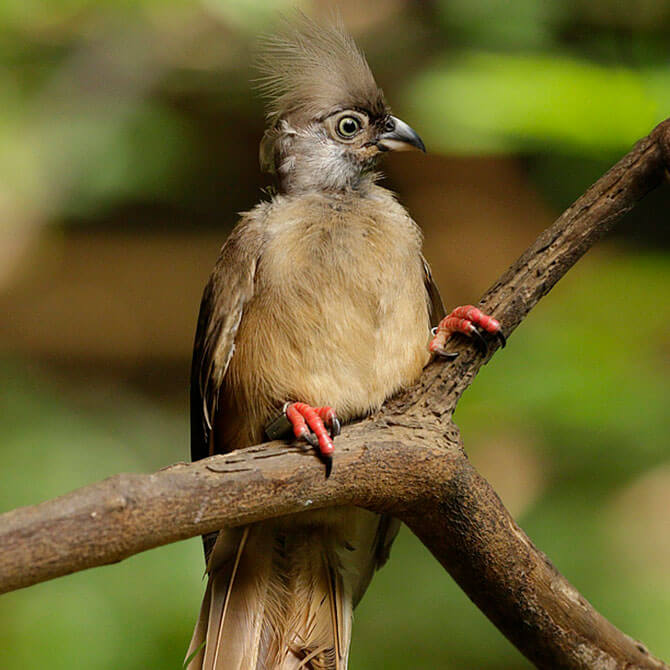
348	126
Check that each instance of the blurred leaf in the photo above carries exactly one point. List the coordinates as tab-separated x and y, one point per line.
486	102
85	159
116	153
251	15
497	23
39	15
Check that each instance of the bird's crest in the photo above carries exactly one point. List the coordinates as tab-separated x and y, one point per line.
310	70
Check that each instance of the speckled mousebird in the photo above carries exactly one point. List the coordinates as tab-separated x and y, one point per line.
320	307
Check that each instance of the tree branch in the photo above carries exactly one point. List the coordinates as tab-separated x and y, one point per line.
407	460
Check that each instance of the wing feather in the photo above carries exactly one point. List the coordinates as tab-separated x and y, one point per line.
229	289
437	311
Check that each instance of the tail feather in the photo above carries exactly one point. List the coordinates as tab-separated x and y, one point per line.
237	608
343	615
319	615
196	649
221	589
228	630
281	596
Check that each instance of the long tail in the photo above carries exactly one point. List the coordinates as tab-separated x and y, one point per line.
276	600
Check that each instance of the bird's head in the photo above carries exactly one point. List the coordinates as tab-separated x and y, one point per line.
329	121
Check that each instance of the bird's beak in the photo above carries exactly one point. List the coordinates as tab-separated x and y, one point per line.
398	136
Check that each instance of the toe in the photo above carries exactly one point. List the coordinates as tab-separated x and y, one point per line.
311	439
437	345
470	321
297	420
309	425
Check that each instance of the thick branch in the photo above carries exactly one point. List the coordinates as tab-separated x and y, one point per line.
417	474
407	460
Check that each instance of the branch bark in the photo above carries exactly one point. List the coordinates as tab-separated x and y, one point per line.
406	460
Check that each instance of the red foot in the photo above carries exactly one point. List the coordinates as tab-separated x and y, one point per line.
310	423
467	320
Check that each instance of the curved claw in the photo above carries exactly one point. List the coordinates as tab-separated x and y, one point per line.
336	426
479	341
447	355
328	462
436	345
329	418
311	439
501	338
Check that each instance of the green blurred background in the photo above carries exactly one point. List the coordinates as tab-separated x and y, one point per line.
128	142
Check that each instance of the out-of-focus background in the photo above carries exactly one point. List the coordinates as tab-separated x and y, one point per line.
128	142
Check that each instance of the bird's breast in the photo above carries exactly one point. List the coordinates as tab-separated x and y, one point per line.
340	314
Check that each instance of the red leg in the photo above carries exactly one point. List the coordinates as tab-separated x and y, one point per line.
467	320
309	423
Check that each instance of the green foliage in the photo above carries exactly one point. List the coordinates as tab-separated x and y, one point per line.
494	102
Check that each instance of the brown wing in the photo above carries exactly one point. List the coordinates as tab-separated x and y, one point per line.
230	287
437	311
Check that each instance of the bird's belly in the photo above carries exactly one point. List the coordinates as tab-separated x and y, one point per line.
363	358
340	318
338	346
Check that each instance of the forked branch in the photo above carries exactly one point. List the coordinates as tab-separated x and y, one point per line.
407	460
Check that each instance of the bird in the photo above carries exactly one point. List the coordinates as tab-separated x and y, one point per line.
321	306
